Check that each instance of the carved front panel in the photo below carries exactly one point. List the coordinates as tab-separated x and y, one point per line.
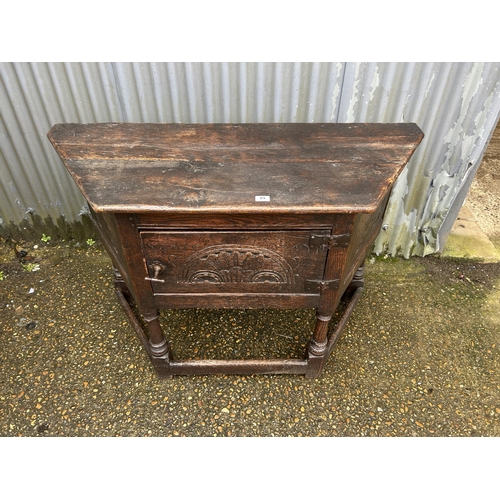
232	261
235	264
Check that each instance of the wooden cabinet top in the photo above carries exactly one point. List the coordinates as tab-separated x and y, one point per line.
235	168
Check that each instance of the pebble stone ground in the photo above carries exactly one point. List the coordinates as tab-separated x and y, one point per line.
419	357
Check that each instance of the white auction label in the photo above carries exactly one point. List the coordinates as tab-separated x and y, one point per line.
262	198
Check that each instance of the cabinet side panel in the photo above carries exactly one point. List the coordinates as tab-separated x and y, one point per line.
105	224
365	231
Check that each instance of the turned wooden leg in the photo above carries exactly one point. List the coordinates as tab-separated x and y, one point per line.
159	347
358	281
120	284
317	347
158	343
155	344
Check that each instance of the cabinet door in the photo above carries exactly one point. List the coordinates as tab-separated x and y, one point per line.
233	261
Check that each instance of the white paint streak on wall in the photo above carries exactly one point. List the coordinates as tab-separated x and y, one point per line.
404	107
355	98
429	86
456	136
337	91
374	86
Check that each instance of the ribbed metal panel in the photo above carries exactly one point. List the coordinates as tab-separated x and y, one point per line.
456	105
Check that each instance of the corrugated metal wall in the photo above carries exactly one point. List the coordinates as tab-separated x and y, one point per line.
456	104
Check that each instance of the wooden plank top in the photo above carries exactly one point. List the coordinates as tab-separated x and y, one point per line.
235	168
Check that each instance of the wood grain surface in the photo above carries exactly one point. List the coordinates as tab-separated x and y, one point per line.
223	168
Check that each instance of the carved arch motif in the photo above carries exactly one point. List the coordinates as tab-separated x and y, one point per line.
235	264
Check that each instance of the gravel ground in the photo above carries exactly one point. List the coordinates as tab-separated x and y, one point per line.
419	357
484	195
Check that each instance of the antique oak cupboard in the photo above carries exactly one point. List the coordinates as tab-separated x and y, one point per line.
236	216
